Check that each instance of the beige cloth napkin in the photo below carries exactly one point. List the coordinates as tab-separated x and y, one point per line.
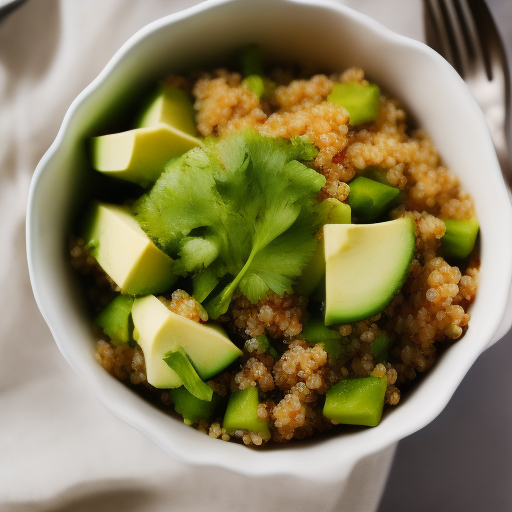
59	449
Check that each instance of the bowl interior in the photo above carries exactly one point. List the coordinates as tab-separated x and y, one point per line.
331	38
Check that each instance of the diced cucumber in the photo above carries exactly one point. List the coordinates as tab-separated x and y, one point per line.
370	199
356	401
255	84
359	100
115	320
242	412
315	331
460	237
380	348
191	408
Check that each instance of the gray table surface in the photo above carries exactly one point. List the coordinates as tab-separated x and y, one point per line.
462	461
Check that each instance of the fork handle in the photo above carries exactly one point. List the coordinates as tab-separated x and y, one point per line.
496	120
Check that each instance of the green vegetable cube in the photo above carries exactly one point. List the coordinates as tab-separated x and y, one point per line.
356	401
370	199
115	320
255	84
191	408
315	331
359	100
380	348
242	412
460	237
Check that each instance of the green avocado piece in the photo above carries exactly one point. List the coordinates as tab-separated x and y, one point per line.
165	130
178	361
366	265
315	331
356	401
115	320
191	408
459	238
359	100
160	331
171	106
140	155
370	199
125	252
379	349
331	211
242	412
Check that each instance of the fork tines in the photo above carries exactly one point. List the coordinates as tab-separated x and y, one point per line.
464	32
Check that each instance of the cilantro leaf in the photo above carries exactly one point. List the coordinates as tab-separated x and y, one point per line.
240	212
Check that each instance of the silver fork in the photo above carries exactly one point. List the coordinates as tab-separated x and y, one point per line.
464	33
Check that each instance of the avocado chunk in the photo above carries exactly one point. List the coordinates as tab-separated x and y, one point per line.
242	412
178	361
173	107
459	238
166	129
379	349
356	401
191	408
370	199
160	331
361	101
366	265
333	212
315	331
139	155
115	320
125	252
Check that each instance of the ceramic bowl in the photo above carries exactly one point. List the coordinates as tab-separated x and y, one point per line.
332	37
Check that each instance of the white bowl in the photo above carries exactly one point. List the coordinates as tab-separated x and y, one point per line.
333	37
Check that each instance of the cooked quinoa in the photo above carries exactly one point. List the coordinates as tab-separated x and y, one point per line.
430	311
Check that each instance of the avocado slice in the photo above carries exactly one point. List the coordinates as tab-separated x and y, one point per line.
459	238
191	408
356	401
315	331
115	320
242	412
139	155
366	265
165	130
160	331
178	361
125	252
331	211
171	106
370	199
361	101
